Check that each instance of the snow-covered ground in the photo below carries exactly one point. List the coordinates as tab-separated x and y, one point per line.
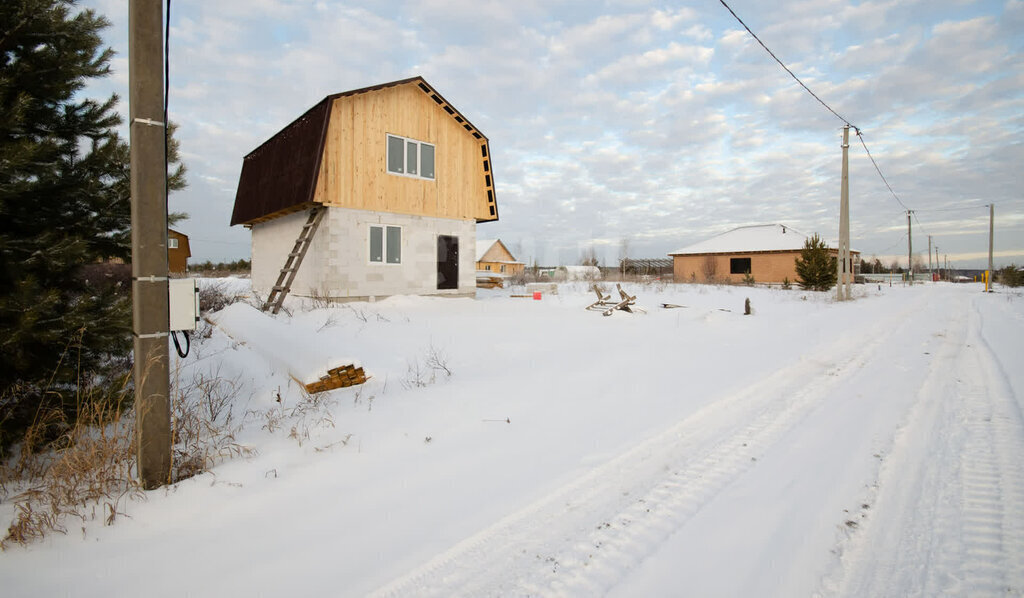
866	448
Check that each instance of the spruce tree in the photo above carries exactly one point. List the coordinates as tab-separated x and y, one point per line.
815	268
64	208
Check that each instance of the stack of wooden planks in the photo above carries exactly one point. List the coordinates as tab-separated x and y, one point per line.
339	377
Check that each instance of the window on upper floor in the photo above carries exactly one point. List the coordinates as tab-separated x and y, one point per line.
409	157
172	243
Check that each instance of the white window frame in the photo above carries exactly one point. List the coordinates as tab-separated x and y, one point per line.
172	243
385	254
406	142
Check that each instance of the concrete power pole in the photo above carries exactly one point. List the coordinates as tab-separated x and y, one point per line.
910	251
930	275
991	229
149	241
843	265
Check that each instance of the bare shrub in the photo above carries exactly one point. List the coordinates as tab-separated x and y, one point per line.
203	424
418	375
312	411
360	314
216	296
320	298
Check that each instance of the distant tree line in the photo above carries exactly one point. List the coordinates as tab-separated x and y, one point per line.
237	266
875	266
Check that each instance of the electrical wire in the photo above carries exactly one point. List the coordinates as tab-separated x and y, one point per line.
791	74
856	129
879	171
953	209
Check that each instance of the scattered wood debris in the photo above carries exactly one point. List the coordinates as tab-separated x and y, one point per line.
489	281
606	305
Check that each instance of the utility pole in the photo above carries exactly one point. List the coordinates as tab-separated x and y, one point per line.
149	241
938	264
931	276
843	266
910	251
991	228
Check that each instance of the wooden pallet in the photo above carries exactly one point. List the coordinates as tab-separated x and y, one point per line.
339	377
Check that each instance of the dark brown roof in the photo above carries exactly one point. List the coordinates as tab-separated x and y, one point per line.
280	175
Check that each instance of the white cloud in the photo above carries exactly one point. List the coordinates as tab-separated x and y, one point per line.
618	120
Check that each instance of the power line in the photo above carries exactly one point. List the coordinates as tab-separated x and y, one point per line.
984	207
879	170
856	129
791	74
921	226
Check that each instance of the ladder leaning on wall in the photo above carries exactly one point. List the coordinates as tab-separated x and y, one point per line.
291	265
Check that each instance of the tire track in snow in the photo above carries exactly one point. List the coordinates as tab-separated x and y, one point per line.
955	527
583	537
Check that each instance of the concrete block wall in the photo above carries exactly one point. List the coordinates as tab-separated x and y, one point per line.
338	266
272	241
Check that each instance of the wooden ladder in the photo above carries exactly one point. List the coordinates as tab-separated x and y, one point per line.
291	265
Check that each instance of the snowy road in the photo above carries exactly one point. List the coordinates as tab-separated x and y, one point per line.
868	448
896	479
950	504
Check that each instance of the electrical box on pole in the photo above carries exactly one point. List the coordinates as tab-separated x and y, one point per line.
183	303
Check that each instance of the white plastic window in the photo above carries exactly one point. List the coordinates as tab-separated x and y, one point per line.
409	157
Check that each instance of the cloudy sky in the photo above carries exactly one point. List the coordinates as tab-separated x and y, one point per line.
624	123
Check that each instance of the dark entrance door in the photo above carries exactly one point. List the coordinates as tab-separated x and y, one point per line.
447	262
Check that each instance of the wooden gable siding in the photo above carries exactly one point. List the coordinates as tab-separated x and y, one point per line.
497	253
353	172
177	258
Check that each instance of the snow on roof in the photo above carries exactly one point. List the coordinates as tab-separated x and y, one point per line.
761	237
482	245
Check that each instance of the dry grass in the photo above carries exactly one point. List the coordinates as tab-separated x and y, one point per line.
89	471
90	466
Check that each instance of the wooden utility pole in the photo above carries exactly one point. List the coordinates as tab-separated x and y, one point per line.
991	228
149	241
910	251
843	265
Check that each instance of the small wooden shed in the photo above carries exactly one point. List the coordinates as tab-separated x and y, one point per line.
370	193
768	252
